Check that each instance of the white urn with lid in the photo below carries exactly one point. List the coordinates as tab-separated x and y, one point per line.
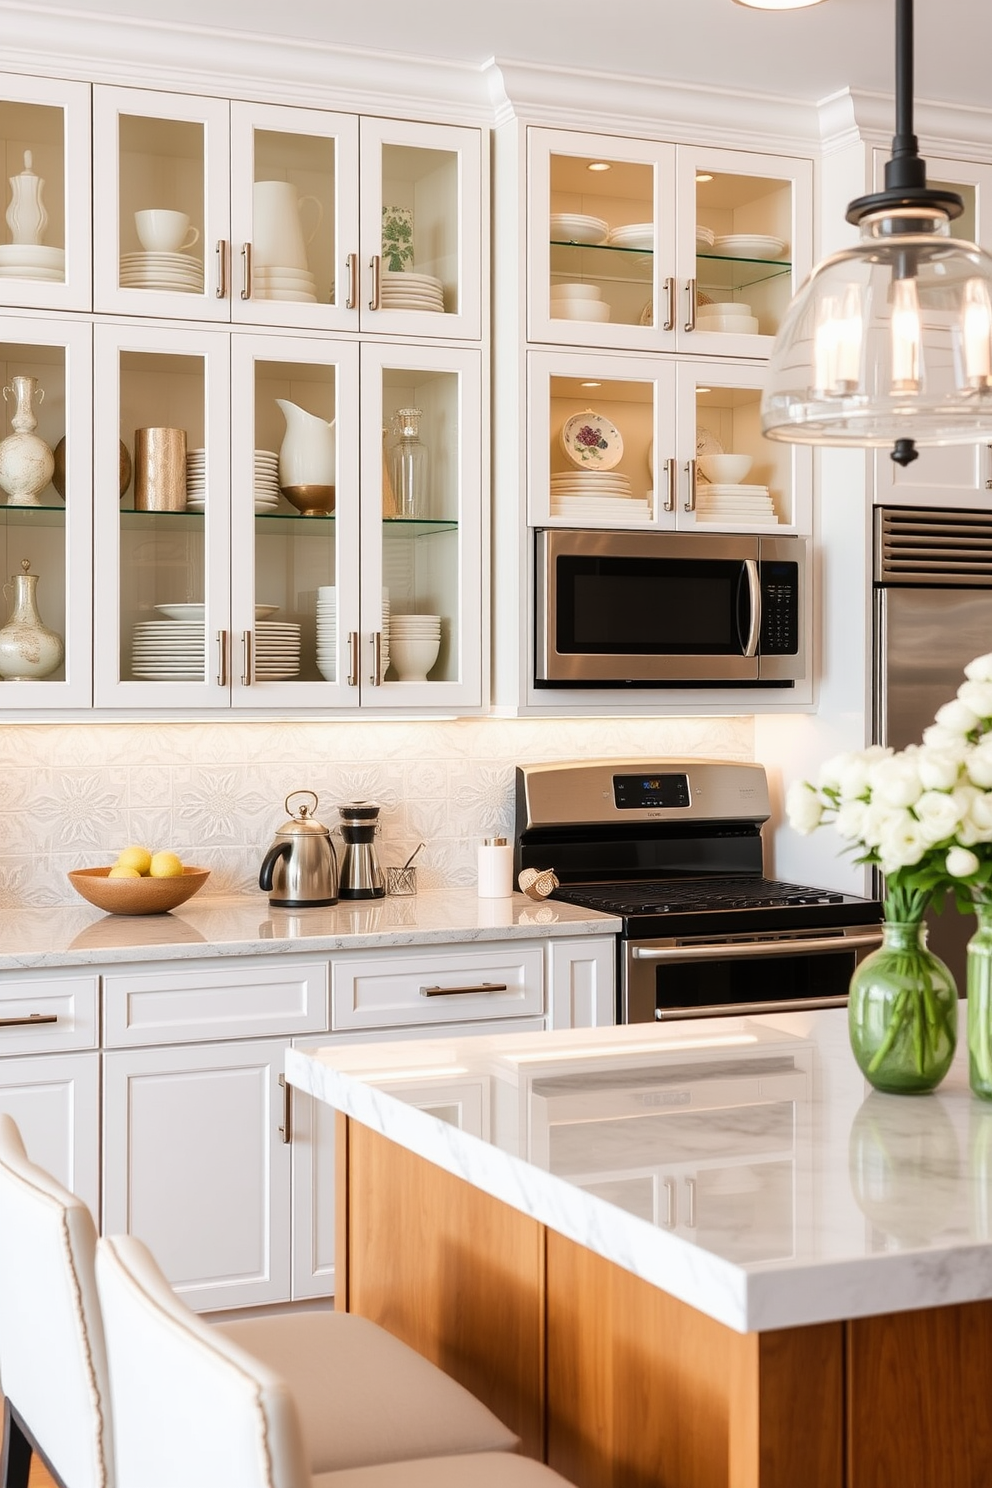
29	651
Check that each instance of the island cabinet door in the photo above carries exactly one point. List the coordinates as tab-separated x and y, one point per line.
55	1100
197	1166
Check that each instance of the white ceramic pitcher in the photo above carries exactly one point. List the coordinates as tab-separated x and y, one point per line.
277	233
307	455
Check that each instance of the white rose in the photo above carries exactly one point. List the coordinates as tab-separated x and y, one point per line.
961	863
803	807
902	843
938	815
957	717
976	820
978	697
828	776
936	736
980	670
978	765
876	821
895	781
939	768
850	820
847	773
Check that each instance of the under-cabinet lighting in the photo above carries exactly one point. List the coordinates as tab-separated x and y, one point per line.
599	165
590	384
703	176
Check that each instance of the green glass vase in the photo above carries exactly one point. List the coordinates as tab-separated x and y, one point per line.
979	976
902	1013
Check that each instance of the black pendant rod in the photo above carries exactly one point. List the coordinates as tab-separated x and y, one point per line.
905	168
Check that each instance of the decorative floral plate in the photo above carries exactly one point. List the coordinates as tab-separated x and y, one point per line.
591	441
707	443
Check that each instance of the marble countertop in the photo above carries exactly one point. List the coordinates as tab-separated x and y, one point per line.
245	925
742	1165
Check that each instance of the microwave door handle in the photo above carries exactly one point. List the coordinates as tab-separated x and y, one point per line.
750	571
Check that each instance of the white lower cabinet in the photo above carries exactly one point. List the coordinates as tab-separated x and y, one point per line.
55	1100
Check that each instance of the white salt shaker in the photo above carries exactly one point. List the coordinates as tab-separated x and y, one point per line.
495	869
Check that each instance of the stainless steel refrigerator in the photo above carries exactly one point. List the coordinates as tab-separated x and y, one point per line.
933	614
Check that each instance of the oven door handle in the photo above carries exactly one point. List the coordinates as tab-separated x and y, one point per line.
750	1009
736	949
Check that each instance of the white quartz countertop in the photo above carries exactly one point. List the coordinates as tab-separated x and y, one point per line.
743	1165
246	926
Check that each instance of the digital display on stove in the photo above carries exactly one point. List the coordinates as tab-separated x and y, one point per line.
644	792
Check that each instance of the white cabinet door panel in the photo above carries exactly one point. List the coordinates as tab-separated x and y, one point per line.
55	1100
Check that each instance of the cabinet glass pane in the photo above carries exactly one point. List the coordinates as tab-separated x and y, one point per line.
420	230
601	224
32	137
755	490
743	232
964	226
601	456
34	533
162	531
296	552
421	501
161	204
294	232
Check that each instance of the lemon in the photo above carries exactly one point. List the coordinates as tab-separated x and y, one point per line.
138	858
165	865
123	870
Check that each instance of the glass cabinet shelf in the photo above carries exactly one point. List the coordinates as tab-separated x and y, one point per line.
634	265
33	516
717	272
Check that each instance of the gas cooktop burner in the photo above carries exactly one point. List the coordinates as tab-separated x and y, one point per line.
691	895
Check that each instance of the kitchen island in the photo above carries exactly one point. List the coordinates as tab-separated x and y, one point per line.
695	1256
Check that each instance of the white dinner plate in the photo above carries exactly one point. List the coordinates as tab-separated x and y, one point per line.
749	245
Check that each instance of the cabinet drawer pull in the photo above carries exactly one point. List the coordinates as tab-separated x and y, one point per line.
31	1021
375	303
221	290
454	991
246	271
222	658
690	290
248	671
690	494
351	303
670	300
353	658
286	1130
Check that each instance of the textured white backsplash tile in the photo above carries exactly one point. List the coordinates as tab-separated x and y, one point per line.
73	795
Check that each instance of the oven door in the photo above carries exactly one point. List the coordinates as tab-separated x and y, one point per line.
700	977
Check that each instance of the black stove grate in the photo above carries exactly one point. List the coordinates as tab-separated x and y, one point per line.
666	895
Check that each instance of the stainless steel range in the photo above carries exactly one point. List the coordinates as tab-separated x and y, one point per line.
674	848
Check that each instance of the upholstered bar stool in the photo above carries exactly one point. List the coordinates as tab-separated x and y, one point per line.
193	1408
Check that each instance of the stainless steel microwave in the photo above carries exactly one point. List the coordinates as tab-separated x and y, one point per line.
669	609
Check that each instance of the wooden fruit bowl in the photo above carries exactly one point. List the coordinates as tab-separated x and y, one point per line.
137	896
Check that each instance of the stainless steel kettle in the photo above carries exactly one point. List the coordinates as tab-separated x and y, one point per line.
361	876
300	869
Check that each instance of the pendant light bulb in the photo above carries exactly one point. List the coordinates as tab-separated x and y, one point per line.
906	336
978	334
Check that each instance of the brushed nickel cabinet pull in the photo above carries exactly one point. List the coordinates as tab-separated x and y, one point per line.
221	290
670	286
33	1020
222	658
671	1204
453	991
376	678
690	1188
248	671
690	495
286	1130
353	658
246	271
672	472
690	290
375	303
351	303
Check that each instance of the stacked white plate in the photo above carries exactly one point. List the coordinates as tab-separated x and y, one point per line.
415	641
633	235
749	245
277	650
727	315
704	236
596	495
32	261
327	631
590	483
274	283
731	502
175	272
168	651
196	479
577	227
266	481
410	291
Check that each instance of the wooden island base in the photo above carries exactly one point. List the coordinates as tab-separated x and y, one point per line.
617	1385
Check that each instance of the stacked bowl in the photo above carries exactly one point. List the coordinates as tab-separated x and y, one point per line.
578	302
414	643
578	227
727	315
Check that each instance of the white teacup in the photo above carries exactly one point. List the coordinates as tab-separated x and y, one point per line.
162	231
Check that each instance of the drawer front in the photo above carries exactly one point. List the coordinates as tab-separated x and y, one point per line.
214	1002
411	989
48	1014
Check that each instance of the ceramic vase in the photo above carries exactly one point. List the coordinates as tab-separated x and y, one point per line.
902	1012
28	649
26	462
26	215
979	981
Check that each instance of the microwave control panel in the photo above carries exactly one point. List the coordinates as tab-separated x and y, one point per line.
779	609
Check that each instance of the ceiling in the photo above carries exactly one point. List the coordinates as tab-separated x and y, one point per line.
803	55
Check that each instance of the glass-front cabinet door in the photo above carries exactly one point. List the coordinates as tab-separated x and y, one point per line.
420	270
161	204
422	583
162	517
45	514
45	242
295	523
294	217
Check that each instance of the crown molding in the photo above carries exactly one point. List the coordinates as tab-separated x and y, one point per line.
961	131
623	104
95	47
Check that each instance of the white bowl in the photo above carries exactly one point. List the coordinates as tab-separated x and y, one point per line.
575	291
412	659
730	468
580	310
724	307
739	325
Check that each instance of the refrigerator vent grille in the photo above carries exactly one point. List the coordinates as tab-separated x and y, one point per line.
915	545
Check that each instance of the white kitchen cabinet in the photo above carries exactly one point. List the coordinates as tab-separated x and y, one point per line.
656	269
291	209
666	412
50	119
581	981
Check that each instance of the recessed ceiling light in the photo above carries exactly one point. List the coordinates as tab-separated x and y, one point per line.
703	176
777	4
590	384
598	165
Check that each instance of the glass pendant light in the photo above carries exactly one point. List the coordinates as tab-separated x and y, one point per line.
890	342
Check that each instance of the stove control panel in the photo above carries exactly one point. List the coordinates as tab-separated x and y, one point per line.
650	791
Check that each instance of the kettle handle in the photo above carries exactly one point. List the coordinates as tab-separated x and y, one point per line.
310	793
280	850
